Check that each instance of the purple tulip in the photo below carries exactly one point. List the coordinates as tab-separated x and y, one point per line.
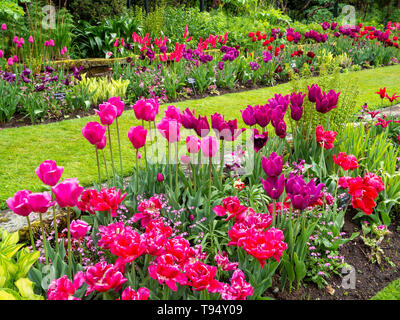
49	173
249	116
94	132
137	136
280	129
188	119
296	105
259	140
274	186
19	203
262	115
67	192
314	92
201	126
272	165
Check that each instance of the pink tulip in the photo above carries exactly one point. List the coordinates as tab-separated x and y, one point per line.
94	132
15	59
19	203
118	103
185	159
193	144
103	277
30	40
170	129
160	177
102	144
79	229
49	173
145	109
16	40
22	41
51	43
3	27
46	43
209	146
67	192
10	62
1	53
40	202
173	112
107	113
137	136
116	43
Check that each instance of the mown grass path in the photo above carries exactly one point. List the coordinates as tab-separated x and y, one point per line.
23	149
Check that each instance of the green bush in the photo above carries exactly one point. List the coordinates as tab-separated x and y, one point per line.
96	10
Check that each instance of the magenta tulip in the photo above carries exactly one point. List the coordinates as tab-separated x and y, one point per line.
274	186
30	40
272	165
79	229
10	62
201	126
137	136
187	119
169	129
173	112
1	53
209	146
3	27
160	177
49	173
102	144
107	113
314	93
67	192
118	103
19	203
94	132
249	116
143	108
40	202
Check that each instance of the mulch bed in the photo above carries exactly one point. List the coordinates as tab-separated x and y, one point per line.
370	277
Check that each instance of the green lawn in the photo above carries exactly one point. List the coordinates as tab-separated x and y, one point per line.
23	149
391	292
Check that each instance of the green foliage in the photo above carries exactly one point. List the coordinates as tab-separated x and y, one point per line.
97	10
391	292
11	9
15	263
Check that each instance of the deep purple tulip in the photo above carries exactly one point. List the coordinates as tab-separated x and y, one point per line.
187	119
259	140
201	126
262	115
272	165
327	102
249	116
274	186
314	92
280	129
296	105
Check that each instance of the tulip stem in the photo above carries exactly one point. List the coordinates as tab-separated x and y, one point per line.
176	170
119	147
31	233
169	165
209	184
44	238
222	159
111	153
55	222
145	152
105	163
137	171
69	243
98	165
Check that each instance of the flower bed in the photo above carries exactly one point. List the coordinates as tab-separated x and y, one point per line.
193	225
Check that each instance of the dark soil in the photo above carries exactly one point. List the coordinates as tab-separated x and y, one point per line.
370	277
